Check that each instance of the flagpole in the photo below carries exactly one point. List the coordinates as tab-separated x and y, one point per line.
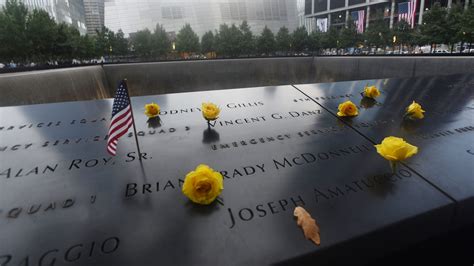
133	121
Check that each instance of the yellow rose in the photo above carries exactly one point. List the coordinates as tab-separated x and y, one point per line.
203	185
414	111
210	111
347	108
396	149
152	110
371	92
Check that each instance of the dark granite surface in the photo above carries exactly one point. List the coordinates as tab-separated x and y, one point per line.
74	204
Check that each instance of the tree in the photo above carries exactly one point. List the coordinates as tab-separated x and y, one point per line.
86	48
403	33
329	39
467	25
316	41
120	43
378	34
104	41
247	42
14	44
227	40
208	42
161	44
67	43
283	40
433	29
349	37
266	42
299	39
187	40
143	43
453	25
41	33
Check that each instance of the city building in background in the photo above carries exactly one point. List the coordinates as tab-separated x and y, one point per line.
63	11
336	13
203	15
94	14
304	21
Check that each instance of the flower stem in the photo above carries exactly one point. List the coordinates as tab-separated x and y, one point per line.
393	166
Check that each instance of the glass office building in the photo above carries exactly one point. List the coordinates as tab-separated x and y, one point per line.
94	13
204	15
336	12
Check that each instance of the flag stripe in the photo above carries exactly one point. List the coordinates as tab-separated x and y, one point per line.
116	126
407	12
122	130
122	118
121	115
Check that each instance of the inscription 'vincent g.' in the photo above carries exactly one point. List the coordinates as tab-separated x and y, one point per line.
84	121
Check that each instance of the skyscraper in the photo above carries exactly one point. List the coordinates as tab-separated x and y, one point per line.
203	15
94	13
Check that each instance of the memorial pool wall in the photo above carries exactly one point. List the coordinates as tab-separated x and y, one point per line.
98	82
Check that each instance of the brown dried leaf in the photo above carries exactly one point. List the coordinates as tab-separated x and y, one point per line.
308	224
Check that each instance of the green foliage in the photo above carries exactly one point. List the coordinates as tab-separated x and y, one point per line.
403	32
329	38
40	30
467	25
228	40
161	44
283	40
143	42
453	25
33	36
247	41
187	40
104	41
315	41
14	44
266	42
208	42
299	39
378	33
119	43
348	37
433	29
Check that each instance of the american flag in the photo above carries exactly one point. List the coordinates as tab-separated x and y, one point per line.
406	11
122	118
358	18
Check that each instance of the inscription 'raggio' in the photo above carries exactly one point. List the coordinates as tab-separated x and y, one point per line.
75	253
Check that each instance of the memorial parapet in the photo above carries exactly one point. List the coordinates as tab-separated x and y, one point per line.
65	201
445	136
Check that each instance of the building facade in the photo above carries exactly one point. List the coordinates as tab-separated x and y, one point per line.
204	15
336	13
62	11
94	14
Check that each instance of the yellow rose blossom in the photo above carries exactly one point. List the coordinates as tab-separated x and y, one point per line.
347	108
414	111
210	111
371	92
203	185
396	149
152	110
